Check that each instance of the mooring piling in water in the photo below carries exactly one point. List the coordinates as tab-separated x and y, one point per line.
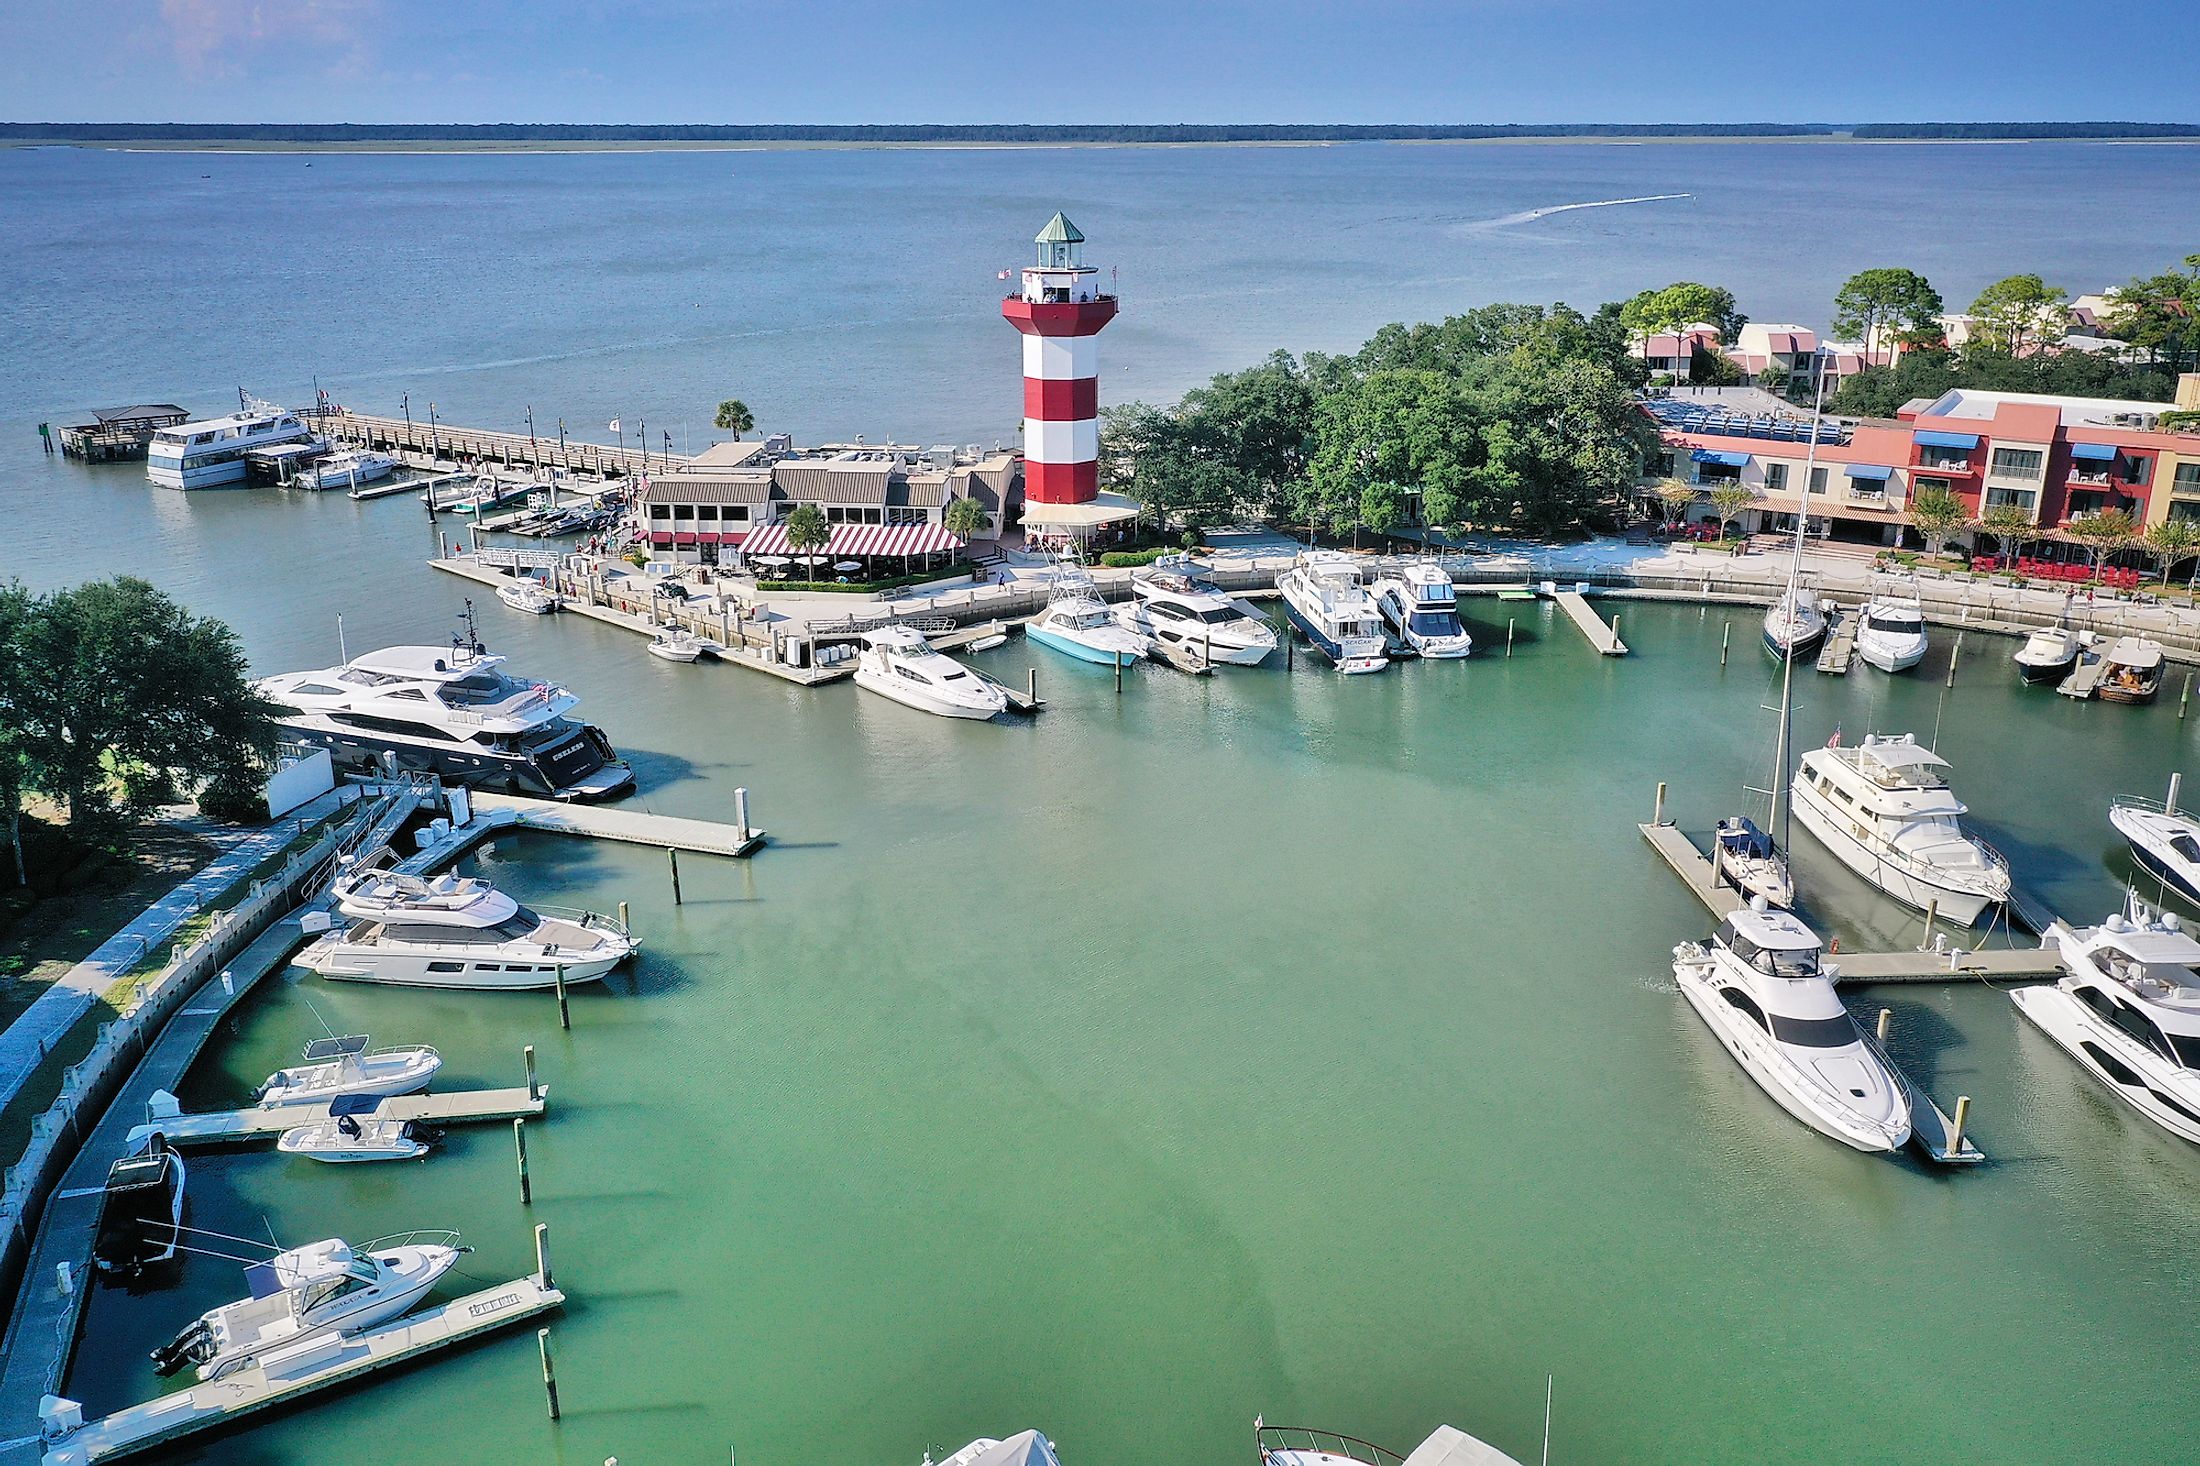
2169	804
1963	1115
1886	1023
1510	623
542	1256
565	1014
1726	634
673	856
1955	655
549	1375
519	1144
624	921
1657	809
534	1088
740	818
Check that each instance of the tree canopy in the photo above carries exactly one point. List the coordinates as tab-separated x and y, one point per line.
2018	312
1681	304
734	417
2160	314
1881	391
1882	306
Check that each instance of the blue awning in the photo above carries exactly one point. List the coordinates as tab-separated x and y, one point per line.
1869	470
1965	441
2094	452
1715	455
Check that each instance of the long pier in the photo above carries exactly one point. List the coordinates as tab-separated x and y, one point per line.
441	445
630	826
1602	637
264	1122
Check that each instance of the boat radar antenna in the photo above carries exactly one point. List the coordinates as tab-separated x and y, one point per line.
469	640
1783	803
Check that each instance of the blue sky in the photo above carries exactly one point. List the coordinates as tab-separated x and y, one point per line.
1132	61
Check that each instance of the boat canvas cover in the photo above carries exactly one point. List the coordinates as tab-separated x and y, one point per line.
2132	651
1899	755
355	1104
1742	837
1026	1449
2166	949
337	1048
1449	1446
300	1267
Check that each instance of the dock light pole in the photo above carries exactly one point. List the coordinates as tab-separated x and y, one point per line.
534	454
435	448
405	400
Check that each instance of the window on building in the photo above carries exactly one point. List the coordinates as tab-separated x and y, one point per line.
2014	498
2133	470
1946	459
836	515
2018	462
683	511
737	511
2187	478
1776	477
660	511
1930	485
706	511
1818	480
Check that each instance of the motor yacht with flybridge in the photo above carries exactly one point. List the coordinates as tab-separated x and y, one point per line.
1420	606
2164	842
451	711
456	932
1890	632
1077	623
1324	598
1762	988
2128	1009
210	453
898	663
1171	603
1884	807
301	1292
1292	1445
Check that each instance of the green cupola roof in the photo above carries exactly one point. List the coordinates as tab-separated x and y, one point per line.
1059	230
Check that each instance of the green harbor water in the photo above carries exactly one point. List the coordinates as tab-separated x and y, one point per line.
1269	1043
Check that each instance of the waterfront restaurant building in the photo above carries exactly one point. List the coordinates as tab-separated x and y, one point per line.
886	500
2055	458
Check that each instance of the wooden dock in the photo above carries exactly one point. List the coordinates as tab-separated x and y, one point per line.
1958	964
2085	678
631	826
442	444
290	1373
1931	1131
265	1122
1838	653
1601	636
427	481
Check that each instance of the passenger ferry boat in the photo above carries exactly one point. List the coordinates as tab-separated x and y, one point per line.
1324	598
1884	807
204	455
453	712
1421	607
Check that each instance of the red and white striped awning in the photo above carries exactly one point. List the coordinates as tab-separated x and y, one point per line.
858	539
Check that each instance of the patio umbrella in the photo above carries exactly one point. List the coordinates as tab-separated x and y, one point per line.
847	565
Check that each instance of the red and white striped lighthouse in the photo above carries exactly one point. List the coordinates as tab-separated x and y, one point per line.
1060	310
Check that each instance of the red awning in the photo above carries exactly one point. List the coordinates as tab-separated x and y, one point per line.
707	537
859	539
661	538
683	537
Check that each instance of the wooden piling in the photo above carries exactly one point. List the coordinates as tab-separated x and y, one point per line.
2169	804
549	1375
542	1256
1954	656
2184	698
673	856
740	815
1510	622
623	919
1886	1024
1031	685
1955	1131
1932	914
565	1014
1657	810
1726	635
534	1090
1117	659
519	1144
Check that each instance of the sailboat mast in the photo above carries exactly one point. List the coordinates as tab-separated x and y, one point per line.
1783	806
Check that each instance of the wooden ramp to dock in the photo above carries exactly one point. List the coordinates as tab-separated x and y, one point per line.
1601	636
265	1122
426	482
1018	702
1930	1128
287	1374
2085	678
1183	658
1838	652
633	826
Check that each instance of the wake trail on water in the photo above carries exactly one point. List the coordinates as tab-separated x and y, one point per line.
1529	216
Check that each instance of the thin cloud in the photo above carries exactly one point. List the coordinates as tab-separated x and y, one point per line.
224	38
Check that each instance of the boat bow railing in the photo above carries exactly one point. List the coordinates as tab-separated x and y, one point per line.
1273	1438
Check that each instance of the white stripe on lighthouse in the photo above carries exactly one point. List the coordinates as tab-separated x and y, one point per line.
1061	358
1061	442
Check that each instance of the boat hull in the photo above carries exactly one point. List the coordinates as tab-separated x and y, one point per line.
344	961
1225	650
1741	1041
888	686
1890	656
2134	1074
1351	660
590	775
2036	672
1896	881
1070	646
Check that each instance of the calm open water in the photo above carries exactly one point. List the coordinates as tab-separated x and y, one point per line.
1266	1043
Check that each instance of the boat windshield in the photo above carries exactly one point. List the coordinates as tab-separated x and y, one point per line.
1899	623
2185	846
1814	1033
1774	961
1215	615
1433	623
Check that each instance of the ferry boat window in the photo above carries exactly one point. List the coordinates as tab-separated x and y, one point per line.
1814	1033
1735	997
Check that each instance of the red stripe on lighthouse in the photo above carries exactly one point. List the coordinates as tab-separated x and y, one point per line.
1061	483
1062	401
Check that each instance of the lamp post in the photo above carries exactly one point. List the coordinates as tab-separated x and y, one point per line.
407	400
435	443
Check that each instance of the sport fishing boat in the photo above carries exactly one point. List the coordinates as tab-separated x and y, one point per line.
1172	604
2048	654
2133	670
1323	596
675	644
486	492
300	1292
140	1210
1077	624
454	712
1421	607
1794	625
898	663
210	453
2128	1009
1291	1445
352	1131
348	470
2163	842
456	932
525	593
1759	985
1884	807
1890	633
1745	855
343	1065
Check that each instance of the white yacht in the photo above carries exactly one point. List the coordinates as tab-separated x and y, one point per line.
1077	623
1323	596
1290	1445
141	1210
344	1065
205	455
456	932
1890	633
526	593
1421	607
1759	985
348	470
1884	807
454	712
1794	625
1170	603
323	1287
1025	1448
352	1132
2164	843
2049	653
488	491
2128	1009
675	644
897	662
1745	855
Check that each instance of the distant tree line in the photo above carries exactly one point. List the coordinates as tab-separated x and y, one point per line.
2015	130
345	132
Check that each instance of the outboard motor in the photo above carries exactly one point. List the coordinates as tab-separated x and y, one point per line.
195	1345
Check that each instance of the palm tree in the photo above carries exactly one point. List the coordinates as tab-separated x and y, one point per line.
2010	527
2104	533
734	417
807	533
1937	515
2173	540
1728	501
965	518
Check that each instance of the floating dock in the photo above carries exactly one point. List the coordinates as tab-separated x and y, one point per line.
1838	653
1956	964
289	1373
430	482
1601	636
265	1122
630	826
1931	1131
2085	678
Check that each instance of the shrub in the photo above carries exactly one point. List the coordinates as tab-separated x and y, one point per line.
1132	559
